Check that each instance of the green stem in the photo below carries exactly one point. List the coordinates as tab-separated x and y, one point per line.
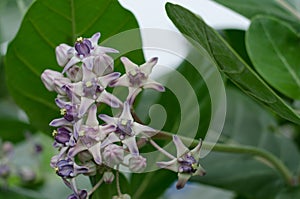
289	8
267	156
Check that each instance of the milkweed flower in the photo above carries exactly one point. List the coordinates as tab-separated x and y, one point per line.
126	129
186	163
137	77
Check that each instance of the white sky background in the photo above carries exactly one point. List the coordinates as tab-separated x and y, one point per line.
152	14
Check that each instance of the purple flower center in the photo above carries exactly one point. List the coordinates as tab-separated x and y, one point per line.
91	88
187	164
136	77
65	168
62	136
82	194
83	47
124	128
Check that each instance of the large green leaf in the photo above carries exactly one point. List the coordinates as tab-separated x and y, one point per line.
229	61
273	47
47	24
249	124
251	8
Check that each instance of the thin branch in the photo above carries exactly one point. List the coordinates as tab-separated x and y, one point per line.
166	153
96	186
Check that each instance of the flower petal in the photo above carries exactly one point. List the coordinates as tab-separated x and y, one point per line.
180	147
107	119
171	165
109	99
84	105
92	116
110	139
129	65
145	130
74	60
126	114
95	38
122	81
133	92
154	85
95	151
107	79
130	142
182	179
196	151
147	67
59	122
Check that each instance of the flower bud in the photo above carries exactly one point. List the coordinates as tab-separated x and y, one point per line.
4	171
103	65
124	196
27	175
74	73
62	56
54	81
7	148
113	154
137	164
84	156
108	177
82	194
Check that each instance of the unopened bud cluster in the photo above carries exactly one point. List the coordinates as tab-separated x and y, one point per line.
84	145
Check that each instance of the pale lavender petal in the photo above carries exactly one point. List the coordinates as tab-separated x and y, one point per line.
103	49
87	74
143	129
59	122
196	151
48	77
62	55
147	67
180	147
182	179
88	63
109	99
80	146
95	38
95	151
154	85
111	138
122	81
107	79
84	105
60	103
137	163
171	165
92	116
107	119
108	128
103	65
133	92
129	65
200	171
126	114
76	88
130	142
74	60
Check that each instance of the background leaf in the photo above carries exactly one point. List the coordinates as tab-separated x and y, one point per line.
251	8
273	47
47	24
228	61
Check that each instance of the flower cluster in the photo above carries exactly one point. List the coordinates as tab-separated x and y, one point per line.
86	146
9	169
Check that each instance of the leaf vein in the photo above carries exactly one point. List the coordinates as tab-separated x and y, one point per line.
40	33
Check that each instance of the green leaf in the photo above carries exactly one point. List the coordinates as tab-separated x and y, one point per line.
251	8
143	185
289	193
273	47
248	124
229	61
236	39
47	24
